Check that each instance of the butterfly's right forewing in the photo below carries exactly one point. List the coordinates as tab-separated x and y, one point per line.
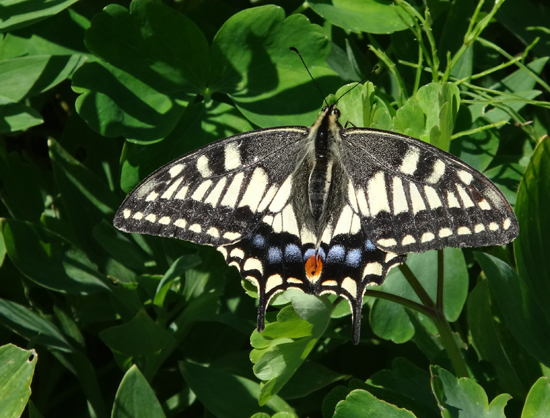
217	194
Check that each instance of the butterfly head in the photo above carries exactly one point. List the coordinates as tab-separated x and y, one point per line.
331	112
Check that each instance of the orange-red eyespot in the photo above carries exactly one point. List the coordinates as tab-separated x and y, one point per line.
314	267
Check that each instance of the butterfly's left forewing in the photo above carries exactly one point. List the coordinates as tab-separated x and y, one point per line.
414	197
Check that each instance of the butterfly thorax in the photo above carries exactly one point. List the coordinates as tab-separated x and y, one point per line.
325	167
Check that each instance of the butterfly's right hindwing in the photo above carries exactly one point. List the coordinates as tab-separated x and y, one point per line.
217	194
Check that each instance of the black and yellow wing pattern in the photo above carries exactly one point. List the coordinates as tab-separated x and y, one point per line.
321	209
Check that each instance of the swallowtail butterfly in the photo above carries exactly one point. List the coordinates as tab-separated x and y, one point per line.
322	209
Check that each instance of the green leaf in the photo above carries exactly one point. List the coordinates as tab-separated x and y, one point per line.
520	307
410	119
537	404
177	269
309	377
118	245
532	205
330	401
522	80
477	149
56	263
25	203
18	117
86	199
487	341
140	336
357	106
61	34
389	320
227	395
153	59
312	309
284	345
27	76
430	114
33	327
199	125
449	103
360	403
407	386
20	13
365	16
135	398
507	177
16	372
511	103
463	398
454	24
427	98
521	18
33	411
252	63
3	250
517	88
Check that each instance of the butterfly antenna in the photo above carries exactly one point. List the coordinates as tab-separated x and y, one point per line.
360	82
307	69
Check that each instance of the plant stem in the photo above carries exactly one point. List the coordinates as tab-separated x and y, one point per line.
480	129
435	311
451	347
417	287
429	312
440	282
501	51
391	67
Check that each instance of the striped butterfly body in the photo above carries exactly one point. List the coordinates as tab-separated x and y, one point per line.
322	209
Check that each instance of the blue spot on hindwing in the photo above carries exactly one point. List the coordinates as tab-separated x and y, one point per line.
293	253
336	254
353	257
274	255
258	241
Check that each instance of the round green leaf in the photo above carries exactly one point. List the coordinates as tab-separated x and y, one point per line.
390	321
153	60
371	16
464	395
252	62
139	336
200	124
405	385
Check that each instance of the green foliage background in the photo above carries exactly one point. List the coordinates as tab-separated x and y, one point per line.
95	95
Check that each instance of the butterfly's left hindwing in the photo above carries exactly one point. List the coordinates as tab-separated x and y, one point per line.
217	194
414	197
